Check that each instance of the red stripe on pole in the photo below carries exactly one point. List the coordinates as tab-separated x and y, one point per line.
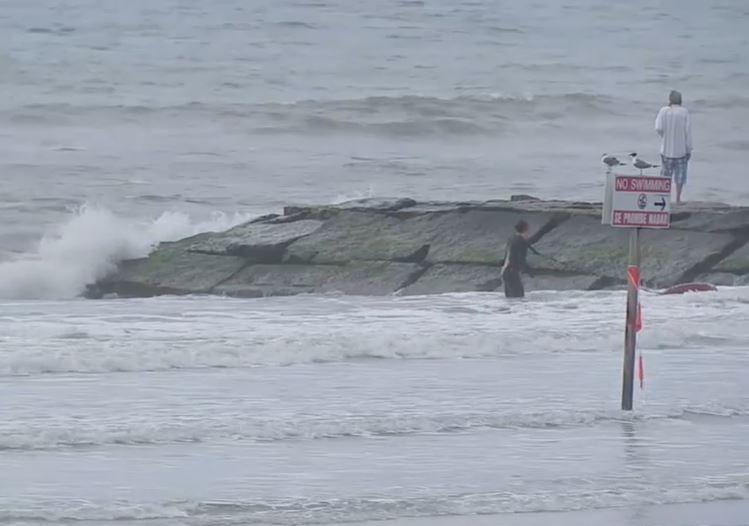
633	275
641	372
638	318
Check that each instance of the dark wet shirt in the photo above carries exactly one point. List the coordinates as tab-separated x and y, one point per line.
517	252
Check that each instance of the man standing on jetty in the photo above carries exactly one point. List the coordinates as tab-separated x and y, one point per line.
672	124
515	259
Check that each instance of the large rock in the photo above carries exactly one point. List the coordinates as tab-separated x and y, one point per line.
443	278
521	206
383	246
170	270
436	207
439	279
369	204
722	279
359	278
712	220
260	242
736	263
472	236
537	206
583	246
565	282
357	236
476	236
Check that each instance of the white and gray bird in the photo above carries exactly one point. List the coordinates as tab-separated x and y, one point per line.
640	164
610	161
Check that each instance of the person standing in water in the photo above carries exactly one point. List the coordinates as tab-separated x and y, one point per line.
673	126
515	259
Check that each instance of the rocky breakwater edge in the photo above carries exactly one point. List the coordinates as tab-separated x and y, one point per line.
401	246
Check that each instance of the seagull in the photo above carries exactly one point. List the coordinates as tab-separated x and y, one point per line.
640	164
610	161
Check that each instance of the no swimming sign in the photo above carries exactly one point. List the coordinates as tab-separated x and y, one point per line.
638	202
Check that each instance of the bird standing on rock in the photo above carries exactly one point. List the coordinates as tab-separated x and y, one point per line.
640	164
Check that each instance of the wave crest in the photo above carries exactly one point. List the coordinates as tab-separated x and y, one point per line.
352	426
398	116
89	246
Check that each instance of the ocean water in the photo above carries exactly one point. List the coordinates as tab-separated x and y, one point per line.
323	410
143	107
123	124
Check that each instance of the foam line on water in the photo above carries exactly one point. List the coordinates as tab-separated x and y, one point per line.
55	434
300	510
196	333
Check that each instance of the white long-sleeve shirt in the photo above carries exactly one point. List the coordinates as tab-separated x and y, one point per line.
672	124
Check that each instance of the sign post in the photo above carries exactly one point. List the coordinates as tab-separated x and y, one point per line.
630	331
635	202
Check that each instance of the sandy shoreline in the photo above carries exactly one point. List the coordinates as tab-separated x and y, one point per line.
716	513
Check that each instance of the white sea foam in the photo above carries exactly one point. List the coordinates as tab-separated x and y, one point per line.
187	333
95	431
89	245
300	510
384	407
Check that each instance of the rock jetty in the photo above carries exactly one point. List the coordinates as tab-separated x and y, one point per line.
387	246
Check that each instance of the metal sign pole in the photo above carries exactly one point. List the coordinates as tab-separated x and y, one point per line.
635	202
630	334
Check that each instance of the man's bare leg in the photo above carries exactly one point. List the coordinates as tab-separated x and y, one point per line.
679	188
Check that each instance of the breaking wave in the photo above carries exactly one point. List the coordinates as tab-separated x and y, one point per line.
192	344
205	333
89	246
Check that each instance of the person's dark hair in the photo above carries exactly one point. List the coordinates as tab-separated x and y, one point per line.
521	226
674	97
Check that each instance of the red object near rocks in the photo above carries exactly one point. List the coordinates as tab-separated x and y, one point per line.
690	287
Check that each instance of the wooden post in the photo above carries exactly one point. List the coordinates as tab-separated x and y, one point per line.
630	334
